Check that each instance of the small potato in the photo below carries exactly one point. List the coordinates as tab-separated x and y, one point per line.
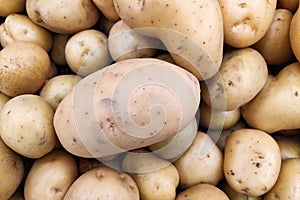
107	8
216	119
289	146
63	16
246	22
125	43
87	51
57	52
11	171
287	186
3	99
50	176
155	178
234	195
242	75
57	88
103	183
202	192
251	162
24	68
275	45
204	159
11	6
26	125
291	5
18	27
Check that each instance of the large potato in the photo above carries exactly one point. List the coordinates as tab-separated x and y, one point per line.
11	6
295	34
63	16
242	75
278	100
130	104
103	183
275	46
192	31
24	68
18	27
26	125
11	171
246	22
251	161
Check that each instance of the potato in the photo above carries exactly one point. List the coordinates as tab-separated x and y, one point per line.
87	52
155	178
202	192
192	32
57	52
246	22
204	159
242	75
125	43
11	171
63	16
278	100
18	194
289	146
50	176
26	125
166	57
291	5
104	25
103	183
251	162
107	8
3	99
295	34
11	6
18	27
24	68
160	99
53	71
57	88
275	46
288	183
216	119
233	195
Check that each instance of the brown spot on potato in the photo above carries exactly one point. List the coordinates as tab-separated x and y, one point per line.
56	190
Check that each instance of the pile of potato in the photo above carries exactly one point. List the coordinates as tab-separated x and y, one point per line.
150	99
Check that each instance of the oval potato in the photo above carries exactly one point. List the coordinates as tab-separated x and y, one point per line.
11	6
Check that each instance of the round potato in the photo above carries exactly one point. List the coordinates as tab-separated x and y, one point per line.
57	52
57	88
294	34
204	159
24	68
11	171
242	75
251	161
275	45
87	51
246	22
202	192
18	27
288	183
50	176
11	6
26	125
107	8
103	183
63	16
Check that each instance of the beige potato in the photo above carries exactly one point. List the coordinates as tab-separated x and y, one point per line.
202	192
234	195
11	171
242	75
26	125
216	119
155	178
125	43
289	146
107	8
57	52
288	183
11	6
192	31
278	100
24	68
275	46
246	22
50	176
87	51
201	163
57	88
130	104
291	5
103	183
295	34
251	162
63	16
17	27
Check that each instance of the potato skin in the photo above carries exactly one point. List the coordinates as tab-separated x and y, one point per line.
295	34
50	176
57	52
11	6
107	8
